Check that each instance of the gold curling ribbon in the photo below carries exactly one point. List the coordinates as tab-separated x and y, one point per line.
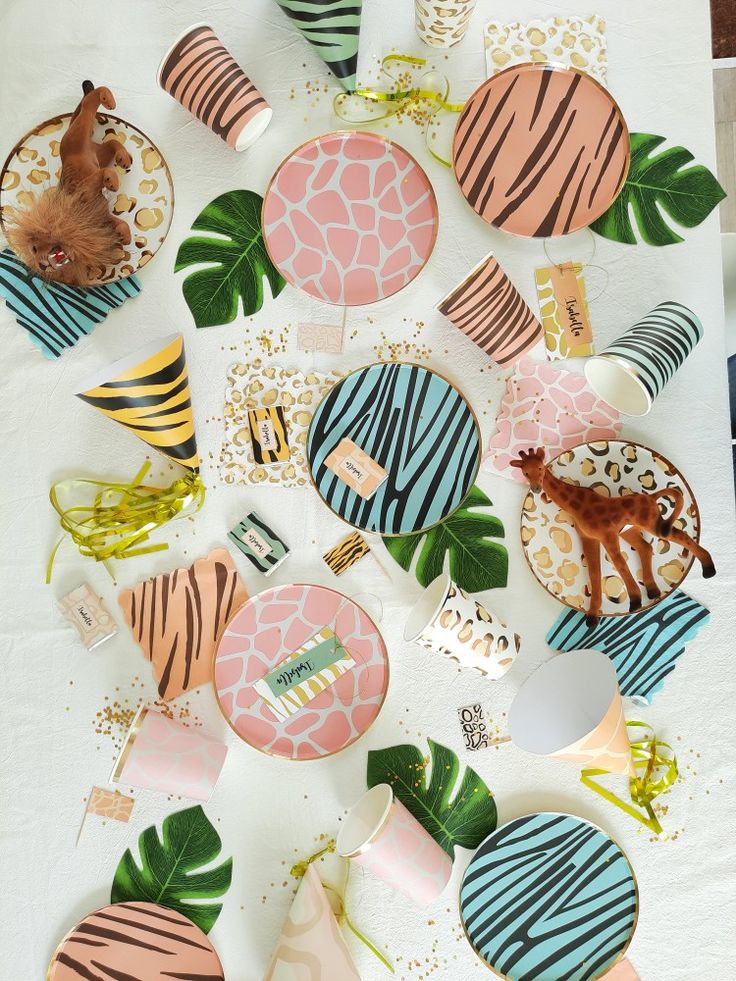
341	915
656	771
118	522
436	98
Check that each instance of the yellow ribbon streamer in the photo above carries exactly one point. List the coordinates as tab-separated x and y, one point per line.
656	771
341	915
118	522
434	96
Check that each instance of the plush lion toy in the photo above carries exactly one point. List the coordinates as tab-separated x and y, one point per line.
68	234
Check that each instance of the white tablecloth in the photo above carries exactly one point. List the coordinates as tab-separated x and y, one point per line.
269	812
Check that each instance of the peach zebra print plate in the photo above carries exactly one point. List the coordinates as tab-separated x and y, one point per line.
145	199
265	632
350	218
135	942
540	150
552	546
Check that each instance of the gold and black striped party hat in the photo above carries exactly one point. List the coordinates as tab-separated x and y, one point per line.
148	393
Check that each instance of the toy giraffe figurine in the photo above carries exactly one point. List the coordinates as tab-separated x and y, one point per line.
601	521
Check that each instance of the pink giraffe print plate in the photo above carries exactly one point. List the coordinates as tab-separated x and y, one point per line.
264	633
350	218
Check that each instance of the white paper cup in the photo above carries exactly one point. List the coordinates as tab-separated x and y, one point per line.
571	708
447	621
442	23
381	835
631	372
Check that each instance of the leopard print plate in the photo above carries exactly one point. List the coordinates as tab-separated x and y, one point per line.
145	199
551	543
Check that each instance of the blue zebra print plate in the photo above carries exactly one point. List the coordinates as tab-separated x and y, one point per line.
417	427
549	897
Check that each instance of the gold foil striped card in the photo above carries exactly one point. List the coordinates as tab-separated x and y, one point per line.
316	665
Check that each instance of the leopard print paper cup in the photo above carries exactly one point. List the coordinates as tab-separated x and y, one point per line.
201	74
449	622
382	836
442	23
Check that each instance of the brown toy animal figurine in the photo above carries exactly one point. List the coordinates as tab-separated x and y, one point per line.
603	520
68	234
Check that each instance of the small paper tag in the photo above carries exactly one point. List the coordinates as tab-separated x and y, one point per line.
358	470
293	683
564	309
320	337
472	723
259	543
110	804
88	616
269	434
346	553
253	540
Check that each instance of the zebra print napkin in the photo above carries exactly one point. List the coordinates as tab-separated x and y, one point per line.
644	647
57	316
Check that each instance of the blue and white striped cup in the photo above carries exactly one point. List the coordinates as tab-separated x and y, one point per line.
632	372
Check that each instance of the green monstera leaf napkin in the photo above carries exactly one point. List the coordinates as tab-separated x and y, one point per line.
233	267
475	562
464	819
659	186
167	874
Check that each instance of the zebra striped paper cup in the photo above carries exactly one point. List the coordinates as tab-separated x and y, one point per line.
632	372
489	309
201	74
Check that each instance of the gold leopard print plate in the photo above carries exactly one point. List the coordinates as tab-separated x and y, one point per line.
145	199
551	543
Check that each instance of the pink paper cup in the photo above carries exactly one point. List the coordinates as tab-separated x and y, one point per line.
382	836
201	74
161	754
489	309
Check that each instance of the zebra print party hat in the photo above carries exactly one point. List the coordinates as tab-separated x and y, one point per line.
332	27
632	372
148	393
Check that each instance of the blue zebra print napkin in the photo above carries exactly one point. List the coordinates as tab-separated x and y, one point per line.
643	647
57	316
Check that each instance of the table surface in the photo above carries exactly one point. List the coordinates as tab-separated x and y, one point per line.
270	812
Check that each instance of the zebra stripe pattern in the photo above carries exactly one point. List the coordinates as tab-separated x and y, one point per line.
644	647
540	150
176	619
346	553
490	310
201	74
549	897
57	316
332	27
415	425
259	543
656	346
135	942
152	400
